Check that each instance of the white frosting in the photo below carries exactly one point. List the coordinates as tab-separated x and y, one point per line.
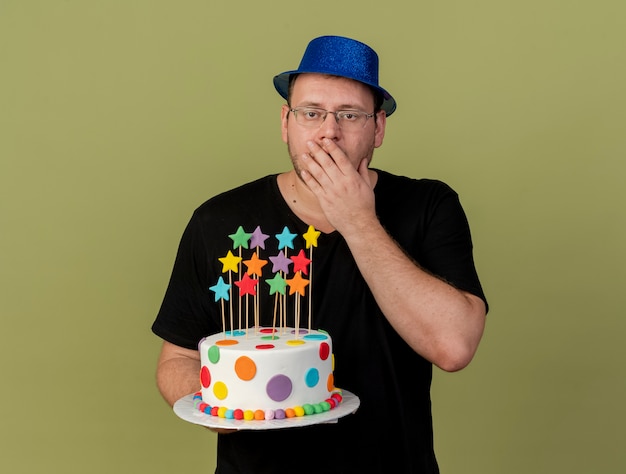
247	374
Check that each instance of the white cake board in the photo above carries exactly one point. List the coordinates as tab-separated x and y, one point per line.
186	410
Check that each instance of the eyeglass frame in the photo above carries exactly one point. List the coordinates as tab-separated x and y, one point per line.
325	113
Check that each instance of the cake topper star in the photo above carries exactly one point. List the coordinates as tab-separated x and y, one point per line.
310	237
230	262
247	285
297	284
277	284
221	289
255	265
280	263
258	238
300	262
285	239
240	238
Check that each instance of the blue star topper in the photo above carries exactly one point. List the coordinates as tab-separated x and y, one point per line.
221	290
285	239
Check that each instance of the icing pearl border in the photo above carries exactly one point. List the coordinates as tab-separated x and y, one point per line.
249	415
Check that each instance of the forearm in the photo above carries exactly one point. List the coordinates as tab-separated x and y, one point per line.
440	322
177	373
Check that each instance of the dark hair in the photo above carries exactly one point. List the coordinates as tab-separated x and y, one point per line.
378	96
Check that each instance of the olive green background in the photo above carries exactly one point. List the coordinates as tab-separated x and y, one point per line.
119	117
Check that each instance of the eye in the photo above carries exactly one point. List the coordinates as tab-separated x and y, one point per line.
349	116
311	114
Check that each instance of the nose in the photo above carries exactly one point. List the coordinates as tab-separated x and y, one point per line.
329	128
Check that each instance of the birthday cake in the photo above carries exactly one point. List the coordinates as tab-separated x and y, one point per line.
267	373
254	372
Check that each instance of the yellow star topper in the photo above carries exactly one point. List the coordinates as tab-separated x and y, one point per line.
311	236
230	262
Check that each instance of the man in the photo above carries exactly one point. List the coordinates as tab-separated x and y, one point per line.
395	283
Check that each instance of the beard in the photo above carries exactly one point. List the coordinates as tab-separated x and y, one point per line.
294	161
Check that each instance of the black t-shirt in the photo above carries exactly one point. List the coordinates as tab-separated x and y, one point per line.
392	429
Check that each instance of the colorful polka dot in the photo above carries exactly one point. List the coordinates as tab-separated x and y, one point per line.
279	388
324	350
265	346
295	342
200	342
316	337
220	390
214	354
226	342
245	368
330	383
312	377
205	376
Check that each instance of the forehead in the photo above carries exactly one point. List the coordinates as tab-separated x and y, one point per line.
330	91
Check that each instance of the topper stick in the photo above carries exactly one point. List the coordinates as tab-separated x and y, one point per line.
255	302
239	299
274	320
284	306
257	306
247	320
283	313
230	300
311	237
223	317
256	310
297	315
310	285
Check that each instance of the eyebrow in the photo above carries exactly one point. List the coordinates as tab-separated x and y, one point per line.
319	106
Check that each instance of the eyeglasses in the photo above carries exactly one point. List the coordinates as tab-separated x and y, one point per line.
313	117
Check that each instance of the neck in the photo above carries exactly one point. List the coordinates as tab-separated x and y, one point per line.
302	201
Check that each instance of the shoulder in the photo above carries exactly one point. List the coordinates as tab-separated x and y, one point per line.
398	188
236	199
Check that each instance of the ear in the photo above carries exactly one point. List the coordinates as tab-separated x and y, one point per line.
381	124
284	121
